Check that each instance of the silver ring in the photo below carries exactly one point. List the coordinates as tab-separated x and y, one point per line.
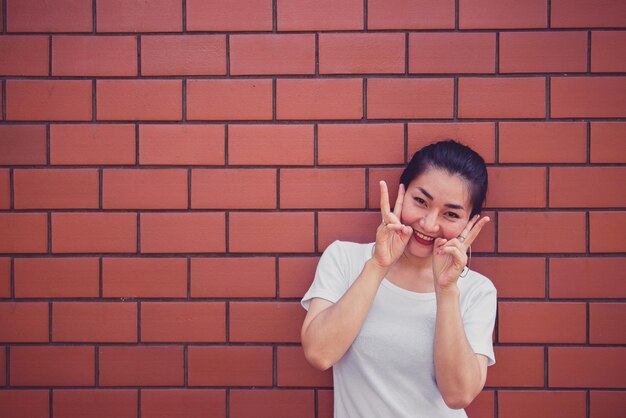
461	238
384	223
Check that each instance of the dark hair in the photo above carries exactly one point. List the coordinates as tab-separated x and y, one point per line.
455	159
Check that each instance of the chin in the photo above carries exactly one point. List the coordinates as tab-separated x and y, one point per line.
416	249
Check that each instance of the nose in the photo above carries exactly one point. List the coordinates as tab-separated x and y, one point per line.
429	223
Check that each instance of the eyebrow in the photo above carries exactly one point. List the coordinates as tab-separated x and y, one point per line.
448	205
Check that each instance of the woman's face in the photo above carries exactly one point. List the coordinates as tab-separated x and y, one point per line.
436	205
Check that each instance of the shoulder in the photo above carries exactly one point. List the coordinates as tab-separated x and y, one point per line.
349	249
475	283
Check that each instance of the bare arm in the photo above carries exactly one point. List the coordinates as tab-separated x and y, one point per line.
460	373
329	329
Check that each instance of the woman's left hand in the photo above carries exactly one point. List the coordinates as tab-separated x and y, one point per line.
450	256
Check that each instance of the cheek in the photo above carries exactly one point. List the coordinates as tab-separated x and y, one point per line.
453	230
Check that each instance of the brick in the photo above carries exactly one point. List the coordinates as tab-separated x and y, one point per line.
265	321
139	16
181	144
183	55
361	53
233	189
543	52
96	403
3	374
542	142
24	55
94	232
480	136
288	232
542	404
5	281
406	98
574	187
452	53
340	144
92	144
183	232
144	189
23	232
295	275
486	241
482	406
607	404
605	232
586	367
183	322
318	15
322	188
238	277
391	176
183	403
587	13
49	16
234	15
23	145
54	366
94	322
5	189
607	142
514	277
604	46
514	187
229	366
56	277
605	323
502	14
523	97
319	99
272	54
141	366
42	100
346	226
541	322
56	189
517	367
588	97
587	278
325	403
257	144
94	56
144	277
268	403
23	322
139	99
294	370
410	14
243	99
541	232
25	403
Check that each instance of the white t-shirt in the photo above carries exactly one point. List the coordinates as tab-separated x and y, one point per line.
389	370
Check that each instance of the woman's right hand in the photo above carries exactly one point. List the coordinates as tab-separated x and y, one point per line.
391	236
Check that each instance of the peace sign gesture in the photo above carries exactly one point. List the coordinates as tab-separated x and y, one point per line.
391	235
450	257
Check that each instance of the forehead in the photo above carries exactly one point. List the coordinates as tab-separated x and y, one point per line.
443	187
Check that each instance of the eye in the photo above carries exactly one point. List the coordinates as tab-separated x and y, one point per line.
452	215
420	201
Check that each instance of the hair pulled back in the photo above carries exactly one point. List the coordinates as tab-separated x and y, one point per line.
456	159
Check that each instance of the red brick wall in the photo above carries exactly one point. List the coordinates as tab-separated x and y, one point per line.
170	171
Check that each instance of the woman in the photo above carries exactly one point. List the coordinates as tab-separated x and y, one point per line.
405	324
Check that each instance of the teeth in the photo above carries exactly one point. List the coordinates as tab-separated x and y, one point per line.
424	237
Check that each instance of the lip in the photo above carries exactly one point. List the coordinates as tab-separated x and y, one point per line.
421	240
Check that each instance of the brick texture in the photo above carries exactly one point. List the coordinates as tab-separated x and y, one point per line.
171	172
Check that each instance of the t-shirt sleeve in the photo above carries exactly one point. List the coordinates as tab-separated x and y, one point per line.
331	279
479	320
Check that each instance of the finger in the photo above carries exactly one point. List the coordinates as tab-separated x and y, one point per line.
397	209
384	200
455	252
473	233
468	227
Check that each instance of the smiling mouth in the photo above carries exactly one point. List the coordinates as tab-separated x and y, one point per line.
423	237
